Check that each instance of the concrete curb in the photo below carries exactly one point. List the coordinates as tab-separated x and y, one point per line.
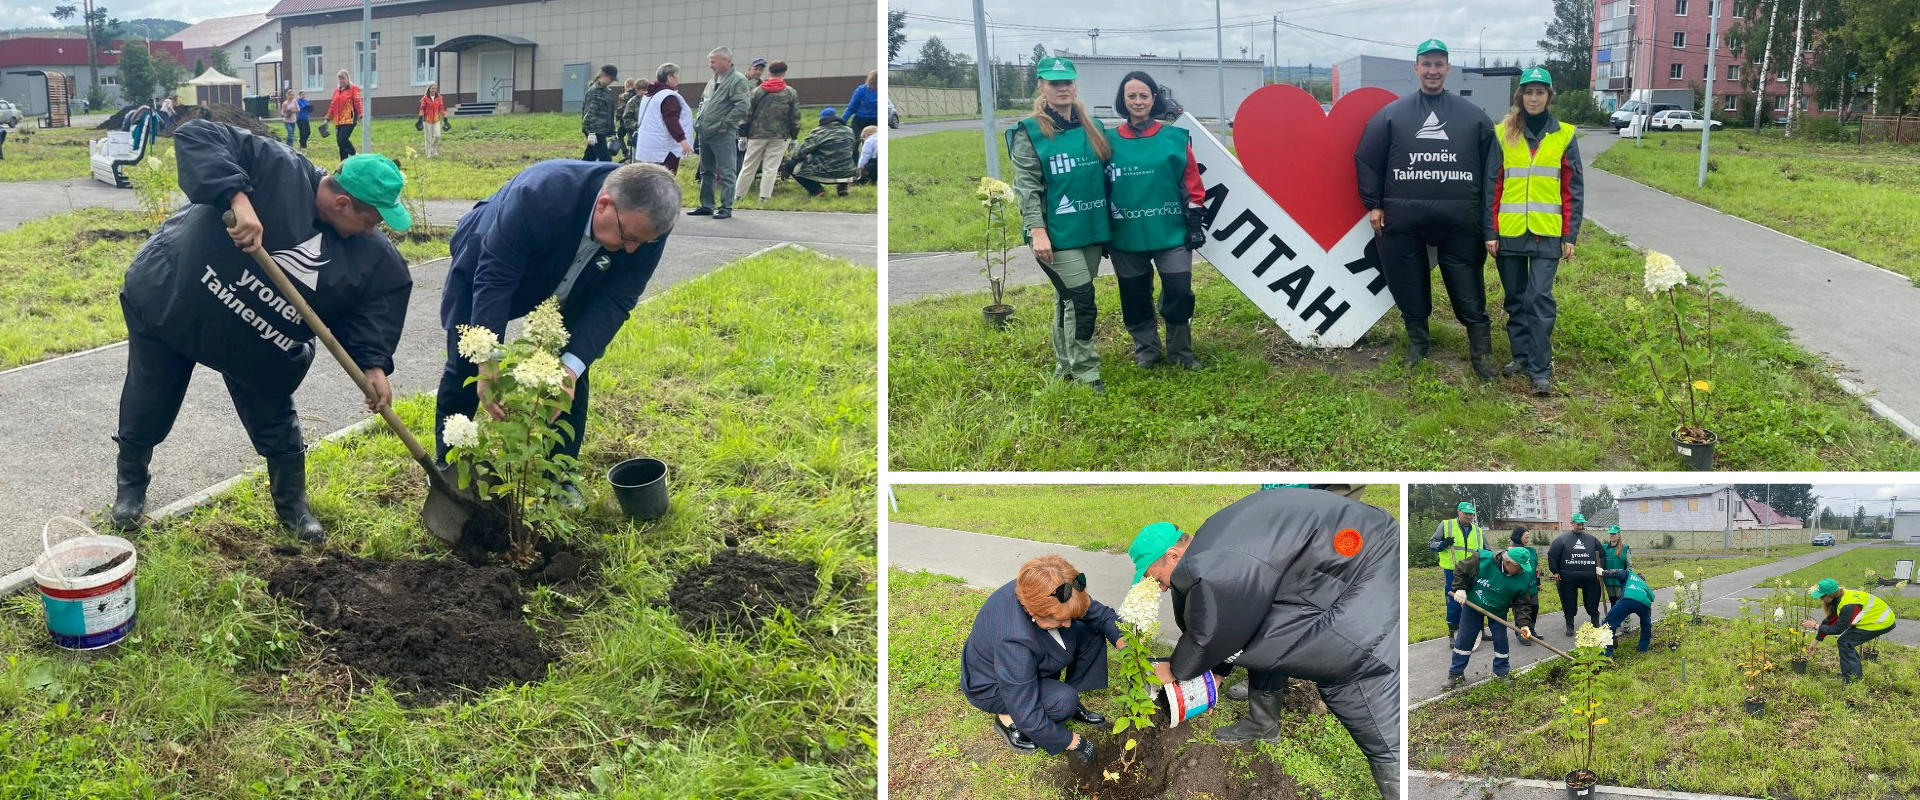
1451	693
1625	791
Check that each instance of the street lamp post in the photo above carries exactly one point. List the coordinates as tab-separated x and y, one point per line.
1220	59
981	67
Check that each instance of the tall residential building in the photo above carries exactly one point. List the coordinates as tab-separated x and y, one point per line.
1662	44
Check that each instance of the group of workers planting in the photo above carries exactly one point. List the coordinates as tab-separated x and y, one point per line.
1481	581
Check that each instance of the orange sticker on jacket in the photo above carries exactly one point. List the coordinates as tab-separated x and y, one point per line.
1347	542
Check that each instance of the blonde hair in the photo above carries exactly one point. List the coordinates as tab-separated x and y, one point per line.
1094	135
1036	583
1511	125
869	131
873	79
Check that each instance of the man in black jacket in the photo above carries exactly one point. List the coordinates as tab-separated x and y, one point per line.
1300	584
1420	164
1572	561
194	296
588	234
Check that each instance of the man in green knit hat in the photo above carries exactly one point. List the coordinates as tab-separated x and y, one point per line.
1495	581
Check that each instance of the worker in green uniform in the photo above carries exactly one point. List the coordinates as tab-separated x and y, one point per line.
1455	540
1060	157
1635	599
1615	555
1495	582
1855	616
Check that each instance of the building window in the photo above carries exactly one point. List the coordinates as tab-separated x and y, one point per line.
315	70
1666	505
1679	8
1720	504
1679	40
370	68
1779	102
1740	9
1733	72
1780	76
426	63
1673	71
1693	504
1704	72
1643	506
1733	103
246	54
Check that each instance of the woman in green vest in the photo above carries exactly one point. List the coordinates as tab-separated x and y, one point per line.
1060	156
1855	616
1617	556
1635	600
1154	186
1539	199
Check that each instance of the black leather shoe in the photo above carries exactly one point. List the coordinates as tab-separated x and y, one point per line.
1086	715
1015	739
1098	387
702	211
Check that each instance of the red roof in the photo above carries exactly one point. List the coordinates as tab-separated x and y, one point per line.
54	51
1769	517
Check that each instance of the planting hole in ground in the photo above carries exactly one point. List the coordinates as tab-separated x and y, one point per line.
737	590
1169	765
429	627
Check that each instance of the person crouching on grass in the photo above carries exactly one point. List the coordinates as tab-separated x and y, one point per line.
1022	640
1855	616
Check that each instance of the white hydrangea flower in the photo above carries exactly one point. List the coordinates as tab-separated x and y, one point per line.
1673	606
1141	609
459	431
991	190
1695	586
1592	636
1662	273
1677	576
545	327
541	369
1779	613
477	343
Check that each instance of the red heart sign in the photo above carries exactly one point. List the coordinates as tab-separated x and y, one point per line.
1303	157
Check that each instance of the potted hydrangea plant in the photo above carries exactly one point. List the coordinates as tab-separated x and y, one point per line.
1003	210
1680	359
1583	710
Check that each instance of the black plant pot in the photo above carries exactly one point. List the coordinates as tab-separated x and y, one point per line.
1580	784
1699	457
1870	655
1800	666
997	315
640	485
1673	647
1756	707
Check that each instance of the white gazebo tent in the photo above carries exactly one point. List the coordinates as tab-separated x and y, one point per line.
212	88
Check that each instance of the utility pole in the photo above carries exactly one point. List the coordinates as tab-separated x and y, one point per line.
1094	34
986	89
1793	72
1220	59
1766	531
1276	47
366	67
1766	65
1483	45
1726	540
1706	103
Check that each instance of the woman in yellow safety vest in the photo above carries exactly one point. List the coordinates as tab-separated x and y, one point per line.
1855	616
1535	202
1456	540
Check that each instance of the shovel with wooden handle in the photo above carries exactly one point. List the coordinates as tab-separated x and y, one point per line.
449	508
1516	629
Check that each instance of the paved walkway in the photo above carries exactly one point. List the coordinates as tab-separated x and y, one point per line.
1427	661
1423	785
57	416
989	562
26	201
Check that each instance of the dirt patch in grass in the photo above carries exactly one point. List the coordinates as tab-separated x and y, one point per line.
738	590
1169	765
429	627
91	235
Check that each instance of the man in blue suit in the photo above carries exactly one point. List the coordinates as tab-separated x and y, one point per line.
587	233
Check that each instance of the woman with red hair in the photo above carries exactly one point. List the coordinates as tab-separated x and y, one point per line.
1040	627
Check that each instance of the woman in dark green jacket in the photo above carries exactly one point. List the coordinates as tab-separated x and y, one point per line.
1154	186
1060	157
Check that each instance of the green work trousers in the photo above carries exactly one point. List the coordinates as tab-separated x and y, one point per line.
1072	273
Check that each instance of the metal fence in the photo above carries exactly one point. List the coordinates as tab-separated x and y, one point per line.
1717	540
1895	130
924	101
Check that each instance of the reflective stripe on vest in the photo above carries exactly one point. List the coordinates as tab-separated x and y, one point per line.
1874	614
1530	196
1465	544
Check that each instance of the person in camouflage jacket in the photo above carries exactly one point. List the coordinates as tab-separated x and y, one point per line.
596	115
630	117
828	155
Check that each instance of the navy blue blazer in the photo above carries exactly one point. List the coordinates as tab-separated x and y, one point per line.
1007	654
513	249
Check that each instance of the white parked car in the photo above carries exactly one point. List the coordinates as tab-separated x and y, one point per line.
1680	121
9	114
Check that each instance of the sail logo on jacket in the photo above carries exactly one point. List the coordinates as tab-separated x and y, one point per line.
1069	205
302	262
1433	129
1060	164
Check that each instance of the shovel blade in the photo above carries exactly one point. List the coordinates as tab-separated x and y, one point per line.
450	510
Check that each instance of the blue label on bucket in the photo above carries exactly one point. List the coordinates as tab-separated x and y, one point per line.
90	616
92	641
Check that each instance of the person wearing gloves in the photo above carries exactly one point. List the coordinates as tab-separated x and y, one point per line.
1855	616
723	106
1518	538
1456	540
1026	662
1060	157
1635	600
1420	162
1536	198
665	122
1157	199
1573	561
1290	584
1496	582
1616	555
596	115
586	234
194	296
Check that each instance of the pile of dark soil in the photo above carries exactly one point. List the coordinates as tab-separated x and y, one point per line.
220	113
1170	767
429	627
737	590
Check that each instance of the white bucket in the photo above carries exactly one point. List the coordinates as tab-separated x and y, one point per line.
85	612
1188	699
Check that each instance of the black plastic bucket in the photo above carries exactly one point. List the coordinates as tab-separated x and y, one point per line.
640	485
1799	666
1699	457
1580	784
1756	707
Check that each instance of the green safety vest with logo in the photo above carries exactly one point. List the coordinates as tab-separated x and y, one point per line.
1467	545
1494	590
1076	184
1875	614
1616	559
1530	192
1636	589
1147	192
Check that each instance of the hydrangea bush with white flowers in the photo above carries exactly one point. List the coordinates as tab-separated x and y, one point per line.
514	460
1139	624
1003	210
1681	362
1583	711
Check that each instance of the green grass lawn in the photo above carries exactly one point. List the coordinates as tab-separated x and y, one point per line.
1850	569
1860	200
930	184
1427	606
757	383
1817	738
965	397
1103	518
49	154
940	747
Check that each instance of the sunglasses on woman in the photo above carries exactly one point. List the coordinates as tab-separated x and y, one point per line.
1064	592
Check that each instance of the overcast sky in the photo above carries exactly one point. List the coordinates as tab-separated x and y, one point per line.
1841	496
37	12
1395	25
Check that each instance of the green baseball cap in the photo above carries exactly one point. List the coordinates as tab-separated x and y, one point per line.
375	180
1536	75
1613	529
1055	68
1149	545
1580	518
1825	587
1522	556
1430	46
1465	506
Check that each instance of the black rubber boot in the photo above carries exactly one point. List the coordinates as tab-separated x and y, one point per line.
1480	349
1238	691
287	483
1542	387
1455	680
1146	344
130	487
1417	341
1180	347
1512	368
1261	724
1386	776
1453	632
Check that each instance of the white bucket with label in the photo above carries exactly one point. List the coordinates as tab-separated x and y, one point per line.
86	586
1188	699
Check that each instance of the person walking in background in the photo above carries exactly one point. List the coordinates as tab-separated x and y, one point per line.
1536	198
1060	155
596	115
306	112
1154	186
433	114
723	106
863	108
630	118
1572	561
344	113
665	120
623	122
773	119
869	165
289	114
1456	540
827	156
167	109
1022	639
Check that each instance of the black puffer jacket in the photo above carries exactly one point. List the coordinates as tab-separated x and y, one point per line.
1424	158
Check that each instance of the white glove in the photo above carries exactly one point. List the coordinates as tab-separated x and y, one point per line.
593	138
1459	596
